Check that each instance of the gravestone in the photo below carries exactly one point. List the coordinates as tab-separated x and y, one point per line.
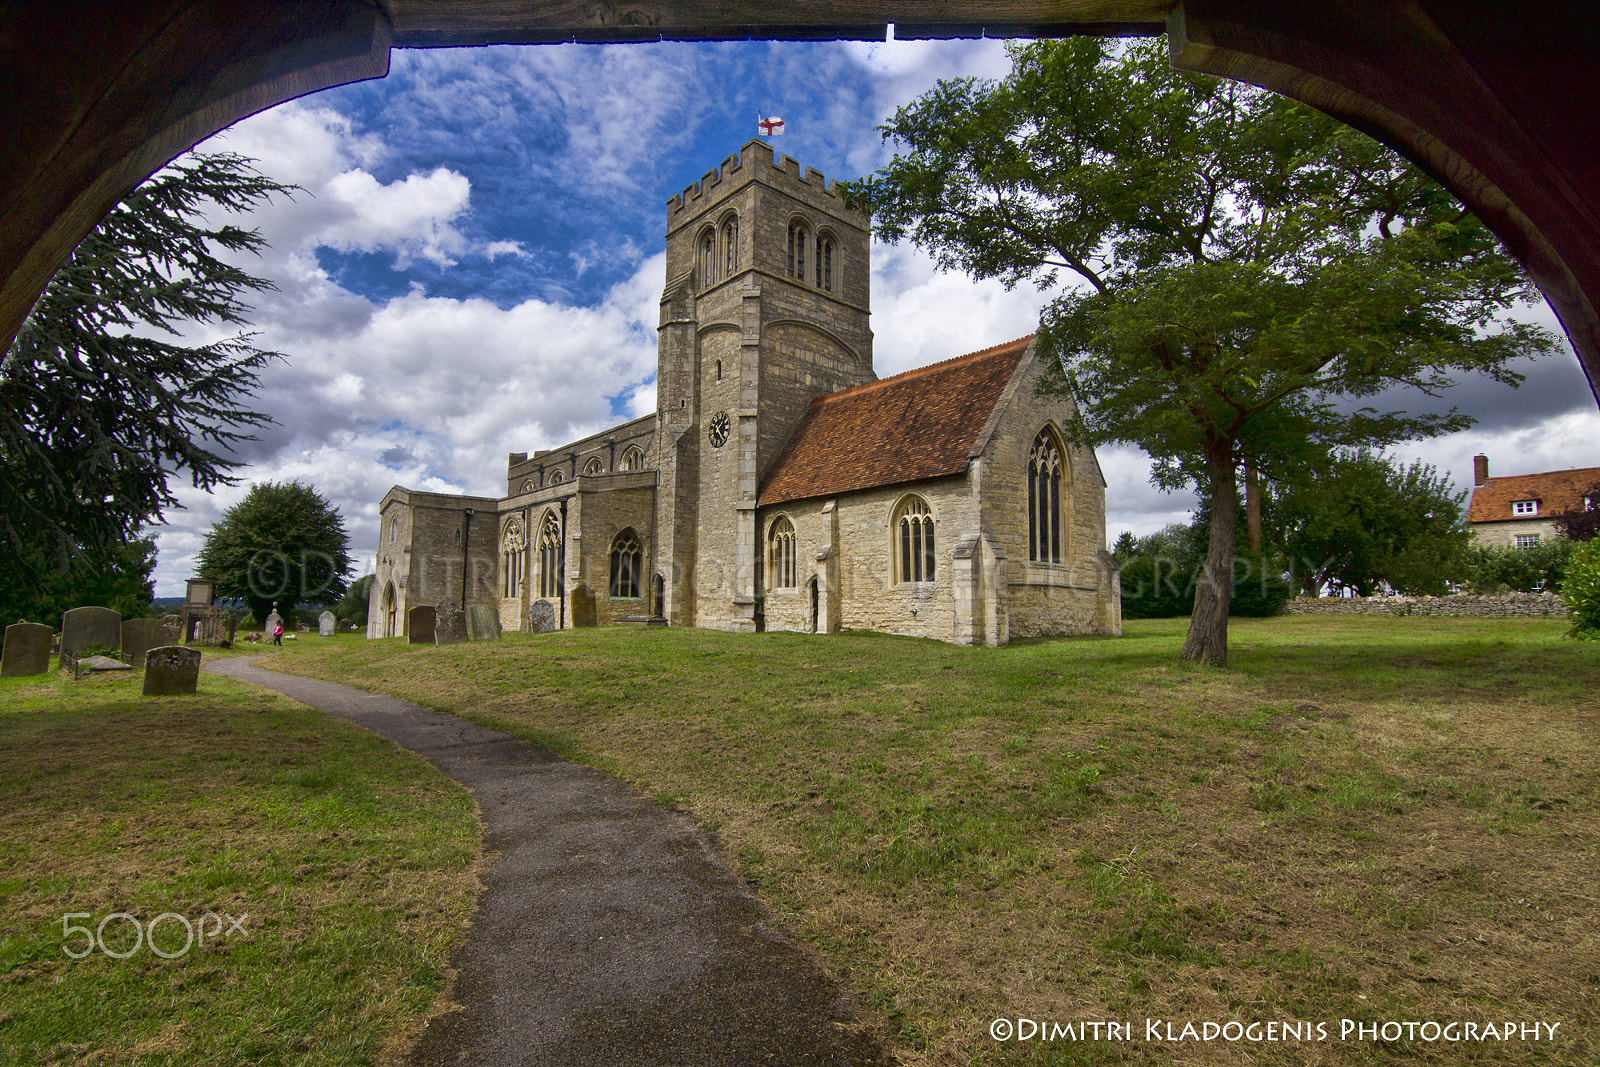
99	664
274	620
140	636
174	625
542	616
27	649
171	670
452	627
420	624
325	624
583	611
213	627
483	623
82	627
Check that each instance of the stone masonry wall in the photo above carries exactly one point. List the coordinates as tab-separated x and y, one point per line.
1511	605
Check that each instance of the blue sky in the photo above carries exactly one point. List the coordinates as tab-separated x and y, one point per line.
475	263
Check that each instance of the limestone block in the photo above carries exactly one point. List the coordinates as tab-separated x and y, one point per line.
422	623
583	606
140	636
326	624
82	627
483	623
27	649
543	614
171	670
451	628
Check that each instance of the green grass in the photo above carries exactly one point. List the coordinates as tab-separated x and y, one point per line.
347	864
1337	826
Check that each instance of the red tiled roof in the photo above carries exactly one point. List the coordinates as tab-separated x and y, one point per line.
1556	491
917	425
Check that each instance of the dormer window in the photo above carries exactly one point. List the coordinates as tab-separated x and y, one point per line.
1524	507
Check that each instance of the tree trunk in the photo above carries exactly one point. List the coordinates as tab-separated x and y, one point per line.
1208	626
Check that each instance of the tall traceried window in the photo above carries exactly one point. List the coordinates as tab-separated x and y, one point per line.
633	459
627	559
798	236
551	556
780	554
913	526
825	262
730	246
708	259
513	557
1044	499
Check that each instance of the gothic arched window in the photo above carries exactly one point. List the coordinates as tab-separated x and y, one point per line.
780	554
556	478
627	559
513	557
551	562
594	466
798	236
825	262
708	259
913	526
730	244
633	459
1044	499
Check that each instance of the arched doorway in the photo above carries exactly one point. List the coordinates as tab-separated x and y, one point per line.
389	611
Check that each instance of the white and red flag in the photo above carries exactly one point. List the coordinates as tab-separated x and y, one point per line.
769	127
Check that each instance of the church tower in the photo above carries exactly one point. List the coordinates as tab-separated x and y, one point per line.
766	308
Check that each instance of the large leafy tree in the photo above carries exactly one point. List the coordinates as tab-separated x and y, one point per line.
1583	522
1248	270
1364	521
103	402
282	543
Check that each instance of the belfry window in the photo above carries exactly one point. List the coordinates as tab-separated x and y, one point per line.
798	236
780	555
825	263
730	244
913	525
551	562
1044	499
708	260
626	561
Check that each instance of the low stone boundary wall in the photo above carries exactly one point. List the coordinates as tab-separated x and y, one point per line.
1510	605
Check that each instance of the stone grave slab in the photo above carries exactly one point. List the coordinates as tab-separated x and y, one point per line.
420	623
171	670
452	627
326	624
140	636
483	623
542	616
101	664
82	627
583	609
27	649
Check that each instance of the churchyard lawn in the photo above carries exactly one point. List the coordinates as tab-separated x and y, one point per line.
336	871
1360	828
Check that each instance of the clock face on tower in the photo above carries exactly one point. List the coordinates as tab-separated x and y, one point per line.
720	428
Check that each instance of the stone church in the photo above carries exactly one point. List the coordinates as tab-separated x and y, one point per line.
781	485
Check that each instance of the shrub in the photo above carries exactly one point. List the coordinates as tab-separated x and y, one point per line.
1582	590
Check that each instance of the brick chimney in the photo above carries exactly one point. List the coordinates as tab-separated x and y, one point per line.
1480	470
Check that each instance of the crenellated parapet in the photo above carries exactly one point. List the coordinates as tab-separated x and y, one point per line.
756	161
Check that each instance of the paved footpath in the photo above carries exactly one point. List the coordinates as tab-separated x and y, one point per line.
609	933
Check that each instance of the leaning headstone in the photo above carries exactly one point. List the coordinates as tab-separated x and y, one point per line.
542	616
420	624
170	670
583	611
483	623
326	624
82	627
140	636
27	649
452	627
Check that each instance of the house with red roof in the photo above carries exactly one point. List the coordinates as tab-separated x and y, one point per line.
780	484
1518	510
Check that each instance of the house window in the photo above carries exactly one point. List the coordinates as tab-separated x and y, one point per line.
1527	540
594	466
913	525
825	263
550	556
1044	499
798	235
633	459
780	554
730	243
626	557
1524	507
